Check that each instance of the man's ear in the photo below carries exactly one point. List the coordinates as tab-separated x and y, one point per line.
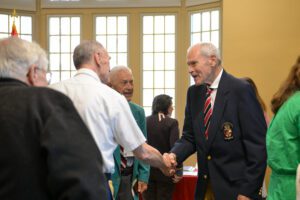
97	58
32	75
213	60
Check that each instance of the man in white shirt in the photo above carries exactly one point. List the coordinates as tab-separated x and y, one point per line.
105	111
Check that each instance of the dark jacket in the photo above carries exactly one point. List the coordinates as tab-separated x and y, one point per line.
46	151
234	160
161	135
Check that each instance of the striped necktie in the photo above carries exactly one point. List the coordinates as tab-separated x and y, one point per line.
123	159
207	110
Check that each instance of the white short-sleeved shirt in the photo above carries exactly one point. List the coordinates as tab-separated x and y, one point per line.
105	112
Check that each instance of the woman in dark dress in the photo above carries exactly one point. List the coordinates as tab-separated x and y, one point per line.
162	133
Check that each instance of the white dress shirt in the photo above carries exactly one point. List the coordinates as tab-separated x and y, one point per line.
105	112
215	86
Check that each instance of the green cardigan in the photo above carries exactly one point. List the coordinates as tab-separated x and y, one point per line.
140	170
283	148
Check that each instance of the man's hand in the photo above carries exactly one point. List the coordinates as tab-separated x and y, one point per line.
176	178
170	164
242	197
142	186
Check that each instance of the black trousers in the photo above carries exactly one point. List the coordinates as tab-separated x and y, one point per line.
125	188
158	190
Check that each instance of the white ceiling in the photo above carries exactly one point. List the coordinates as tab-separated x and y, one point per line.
31	4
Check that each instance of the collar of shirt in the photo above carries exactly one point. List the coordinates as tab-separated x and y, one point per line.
216	82
88	72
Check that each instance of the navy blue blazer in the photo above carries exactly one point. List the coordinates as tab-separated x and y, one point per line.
233	158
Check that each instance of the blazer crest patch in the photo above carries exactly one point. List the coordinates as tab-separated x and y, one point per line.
227	131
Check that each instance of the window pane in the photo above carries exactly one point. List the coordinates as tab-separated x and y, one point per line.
65	26
65	62
112	28
158	92
122	25
148	61
4	23
148	24
149	79
170	24
100	25
54	61
170	61
205	21
215	38
159	61
54	44
205	37
196	22
214	20
159	79
170	43
147	97
111	43
170	79
159	24
75	25
26	25
196	37
54	26
122	43
75	40
158	43
65	44
148	43
122	59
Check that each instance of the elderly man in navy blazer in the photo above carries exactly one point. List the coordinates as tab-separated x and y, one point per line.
225	125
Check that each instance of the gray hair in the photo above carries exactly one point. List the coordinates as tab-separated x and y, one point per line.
208	49
17	56
84	51
116	70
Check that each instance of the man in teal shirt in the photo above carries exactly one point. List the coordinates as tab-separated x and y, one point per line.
131	175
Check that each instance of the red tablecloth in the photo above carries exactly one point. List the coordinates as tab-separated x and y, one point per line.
185	188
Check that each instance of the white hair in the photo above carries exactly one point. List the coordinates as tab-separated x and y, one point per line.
116	70
17	56
207	49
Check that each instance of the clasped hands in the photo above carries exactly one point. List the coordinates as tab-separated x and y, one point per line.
170	164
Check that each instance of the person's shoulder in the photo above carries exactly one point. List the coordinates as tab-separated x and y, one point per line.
50	94
295	99
234	83
135	106
171	120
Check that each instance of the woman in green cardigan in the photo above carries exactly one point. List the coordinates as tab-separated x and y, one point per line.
283	138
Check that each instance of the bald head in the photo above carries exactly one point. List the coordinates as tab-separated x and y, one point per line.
121	80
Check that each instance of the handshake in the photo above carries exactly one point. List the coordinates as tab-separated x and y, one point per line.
170	163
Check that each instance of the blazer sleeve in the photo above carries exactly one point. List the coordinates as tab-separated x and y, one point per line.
143	169
74	161
253	128
185	146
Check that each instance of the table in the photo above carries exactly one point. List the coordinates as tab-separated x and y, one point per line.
185	188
